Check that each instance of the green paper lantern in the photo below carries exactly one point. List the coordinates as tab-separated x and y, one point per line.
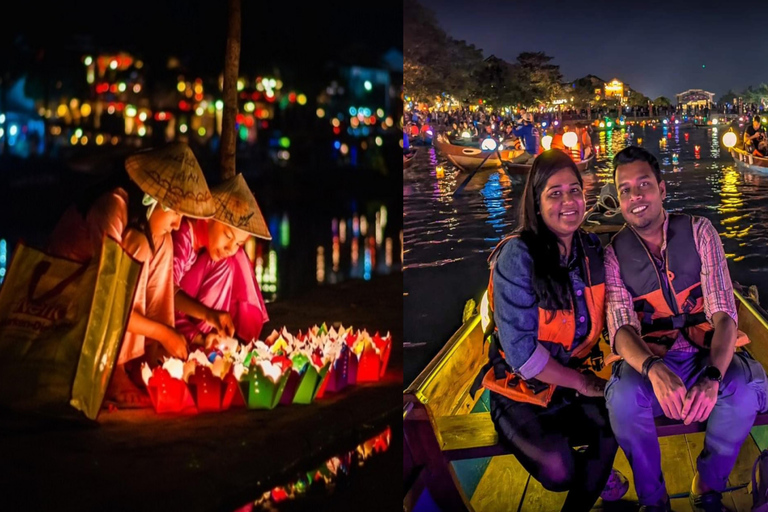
259	391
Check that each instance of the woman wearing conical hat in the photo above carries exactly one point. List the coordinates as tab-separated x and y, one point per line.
140	213
217	290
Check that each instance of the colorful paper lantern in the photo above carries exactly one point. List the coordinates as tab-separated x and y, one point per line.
338	375
304	381
210	392
264	384
374	358
168	394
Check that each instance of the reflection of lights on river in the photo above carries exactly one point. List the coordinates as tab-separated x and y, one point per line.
355	252
336	253
493	198
335	227
267	276
343	231
322	477
285	231
379	231
388	252
383	216
367	264
355	225
714	151
320	271
372	249
363	225
731	202
3	259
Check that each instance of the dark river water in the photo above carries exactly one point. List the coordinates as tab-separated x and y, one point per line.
447	239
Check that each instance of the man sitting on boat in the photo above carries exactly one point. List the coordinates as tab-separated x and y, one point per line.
671	316
530	136
755	140
546	294
583	130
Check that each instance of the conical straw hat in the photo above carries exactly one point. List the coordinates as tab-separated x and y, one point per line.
172	176
236	207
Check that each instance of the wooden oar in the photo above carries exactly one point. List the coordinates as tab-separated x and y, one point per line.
466	181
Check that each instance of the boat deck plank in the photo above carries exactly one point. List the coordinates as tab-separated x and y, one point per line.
506	478
502	486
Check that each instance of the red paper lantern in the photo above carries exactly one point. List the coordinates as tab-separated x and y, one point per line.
168	394
369	368
212	393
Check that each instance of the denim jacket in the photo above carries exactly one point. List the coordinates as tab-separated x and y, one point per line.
516	312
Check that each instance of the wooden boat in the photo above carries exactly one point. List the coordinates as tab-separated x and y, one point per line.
408	158
748	160
468	158
452	451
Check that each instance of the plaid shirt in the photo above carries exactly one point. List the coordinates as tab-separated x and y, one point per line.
716	285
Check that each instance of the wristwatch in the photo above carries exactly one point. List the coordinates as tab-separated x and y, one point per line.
712	373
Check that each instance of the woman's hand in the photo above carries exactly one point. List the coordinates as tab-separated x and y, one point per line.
175	344
221	321
592	385
212	340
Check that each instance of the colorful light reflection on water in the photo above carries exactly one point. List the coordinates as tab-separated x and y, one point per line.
359	246
325	477
447	239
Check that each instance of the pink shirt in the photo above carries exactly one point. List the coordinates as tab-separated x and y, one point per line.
228	285
716	285
80	238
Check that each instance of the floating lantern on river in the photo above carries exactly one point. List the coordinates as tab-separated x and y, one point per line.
440	172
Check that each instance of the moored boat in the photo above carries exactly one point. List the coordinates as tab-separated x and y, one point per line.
408	158
468	158
748	160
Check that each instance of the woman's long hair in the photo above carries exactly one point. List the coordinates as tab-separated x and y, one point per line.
137	211
551	282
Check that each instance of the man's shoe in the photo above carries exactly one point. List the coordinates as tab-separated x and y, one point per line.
711	501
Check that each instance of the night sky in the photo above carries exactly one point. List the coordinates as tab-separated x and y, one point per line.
274	33
657	48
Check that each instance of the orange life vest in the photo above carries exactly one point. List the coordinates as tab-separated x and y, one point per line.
666	302
555	327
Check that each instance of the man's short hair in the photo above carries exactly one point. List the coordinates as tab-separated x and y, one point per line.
757	118
633	154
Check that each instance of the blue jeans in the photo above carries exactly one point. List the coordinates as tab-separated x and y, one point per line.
632	406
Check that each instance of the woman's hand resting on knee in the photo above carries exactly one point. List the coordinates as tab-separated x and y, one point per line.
592	385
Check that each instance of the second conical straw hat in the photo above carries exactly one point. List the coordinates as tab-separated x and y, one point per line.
236	206
172	175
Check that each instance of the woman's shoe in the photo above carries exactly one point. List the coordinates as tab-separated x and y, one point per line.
616	486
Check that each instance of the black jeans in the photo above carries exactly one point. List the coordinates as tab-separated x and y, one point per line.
543	440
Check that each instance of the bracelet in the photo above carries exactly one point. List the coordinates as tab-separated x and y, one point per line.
648	364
